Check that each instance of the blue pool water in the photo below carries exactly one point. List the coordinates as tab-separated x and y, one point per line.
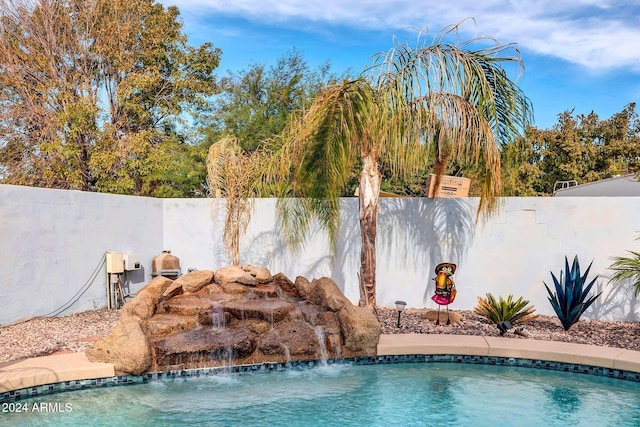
428	394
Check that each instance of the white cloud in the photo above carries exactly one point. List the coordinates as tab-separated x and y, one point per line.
597	34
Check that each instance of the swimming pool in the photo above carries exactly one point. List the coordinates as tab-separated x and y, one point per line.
401	394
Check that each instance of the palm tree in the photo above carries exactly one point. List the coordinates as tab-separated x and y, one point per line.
233	177
441	97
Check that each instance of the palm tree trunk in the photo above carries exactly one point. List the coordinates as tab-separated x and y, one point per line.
369	204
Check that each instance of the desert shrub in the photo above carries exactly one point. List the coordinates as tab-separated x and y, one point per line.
501	310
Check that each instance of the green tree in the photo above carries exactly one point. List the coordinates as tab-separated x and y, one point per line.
520	168
585	148
567	149
254	105
618	143
94	92
447	98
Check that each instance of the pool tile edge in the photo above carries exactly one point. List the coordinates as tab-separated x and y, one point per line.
627	360
56	368
52	374
554	351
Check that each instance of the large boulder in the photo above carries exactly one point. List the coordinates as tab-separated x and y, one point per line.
303	287
188	304
162	325
326	293
142	306
156	287
360	329
211	289
204	345
234	274
291	339
173	290
286	286
194	281
265	291
233	288
261	274
126	347
272	310
316	316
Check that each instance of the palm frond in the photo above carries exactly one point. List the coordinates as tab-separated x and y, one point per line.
455	96
234	179
627	269
319	151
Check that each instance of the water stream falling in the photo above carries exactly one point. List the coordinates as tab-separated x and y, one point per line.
218	320
322	345
287	354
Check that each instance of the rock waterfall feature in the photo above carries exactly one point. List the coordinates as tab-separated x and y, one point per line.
235	316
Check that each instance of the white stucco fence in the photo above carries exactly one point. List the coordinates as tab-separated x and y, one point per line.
52	246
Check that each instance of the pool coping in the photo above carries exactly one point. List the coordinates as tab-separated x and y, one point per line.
57	368
32	377
553	351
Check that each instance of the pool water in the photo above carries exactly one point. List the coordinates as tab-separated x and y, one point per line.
429	394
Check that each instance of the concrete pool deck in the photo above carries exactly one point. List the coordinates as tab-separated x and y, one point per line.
52	369
58	368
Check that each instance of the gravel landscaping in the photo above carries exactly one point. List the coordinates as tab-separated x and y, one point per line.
43	336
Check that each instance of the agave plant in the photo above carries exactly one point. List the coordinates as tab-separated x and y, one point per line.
501	310
571	297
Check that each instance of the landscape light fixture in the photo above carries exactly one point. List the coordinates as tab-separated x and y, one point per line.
504	326
400	307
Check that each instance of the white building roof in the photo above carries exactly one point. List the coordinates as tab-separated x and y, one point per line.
618	186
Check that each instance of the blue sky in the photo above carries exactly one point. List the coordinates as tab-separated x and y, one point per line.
578	54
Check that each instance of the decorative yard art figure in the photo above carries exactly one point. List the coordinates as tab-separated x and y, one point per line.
445	288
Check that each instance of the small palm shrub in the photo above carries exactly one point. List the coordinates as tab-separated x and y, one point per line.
627	268
501	310
571	299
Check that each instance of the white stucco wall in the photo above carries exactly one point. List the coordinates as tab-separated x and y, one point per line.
191	234
52	240
513	252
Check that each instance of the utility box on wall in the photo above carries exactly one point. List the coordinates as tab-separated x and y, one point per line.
132	262
115	262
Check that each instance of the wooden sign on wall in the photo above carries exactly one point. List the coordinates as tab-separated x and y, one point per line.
450	186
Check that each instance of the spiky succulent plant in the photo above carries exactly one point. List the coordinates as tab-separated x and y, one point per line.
571	297
501	310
